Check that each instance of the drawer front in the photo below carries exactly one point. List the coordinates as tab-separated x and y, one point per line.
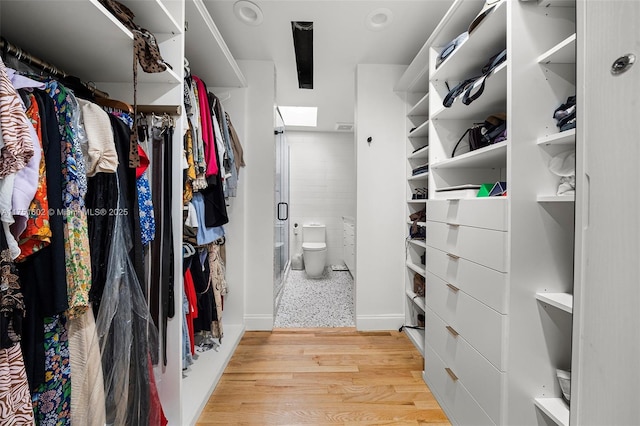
484	246
451	394
485	284
481	326
479	212
483	381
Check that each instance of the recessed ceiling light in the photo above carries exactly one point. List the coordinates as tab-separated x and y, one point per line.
379	19
248	12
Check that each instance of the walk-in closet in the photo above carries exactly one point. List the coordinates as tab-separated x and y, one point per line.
357	211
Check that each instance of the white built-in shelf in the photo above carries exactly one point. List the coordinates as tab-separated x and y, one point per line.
562	53
555	408
153	16
421	131
217	68
416	337
562	301
492	100
421	153
557	3
95	35
419	243
556	198
416	268
487	40
419	223
421	108
417	300
568	138
492	156
421	176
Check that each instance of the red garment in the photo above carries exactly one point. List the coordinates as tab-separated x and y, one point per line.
192	298
206	128
156	413
144	162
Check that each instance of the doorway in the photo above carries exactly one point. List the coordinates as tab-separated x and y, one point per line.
281	256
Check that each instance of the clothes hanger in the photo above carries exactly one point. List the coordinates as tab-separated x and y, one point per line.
114	103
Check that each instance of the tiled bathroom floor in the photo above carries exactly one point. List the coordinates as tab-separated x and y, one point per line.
320	302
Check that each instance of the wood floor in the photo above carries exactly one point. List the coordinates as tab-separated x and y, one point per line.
330	376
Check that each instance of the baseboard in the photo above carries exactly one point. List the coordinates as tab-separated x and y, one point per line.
258	322
379	322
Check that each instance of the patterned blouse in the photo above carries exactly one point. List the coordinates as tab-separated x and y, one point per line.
76	241
37	233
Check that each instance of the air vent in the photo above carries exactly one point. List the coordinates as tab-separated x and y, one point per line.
303	46
344	127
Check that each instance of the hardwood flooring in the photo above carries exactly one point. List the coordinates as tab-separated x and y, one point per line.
328	376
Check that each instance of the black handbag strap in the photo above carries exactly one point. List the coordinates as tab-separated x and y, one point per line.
457	90
469	94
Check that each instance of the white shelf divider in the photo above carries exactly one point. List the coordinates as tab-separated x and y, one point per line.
420	131
568	137
555	408
416	268
420	176
421	153
562	301
562	53
490	156
417	337
421	108
419	243
417	300
556	198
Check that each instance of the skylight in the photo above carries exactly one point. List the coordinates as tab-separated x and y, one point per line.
299	116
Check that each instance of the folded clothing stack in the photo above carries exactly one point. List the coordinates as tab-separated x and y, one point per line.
565	114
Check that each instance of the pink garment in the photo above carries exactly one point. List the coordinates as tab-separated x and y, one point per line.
207	129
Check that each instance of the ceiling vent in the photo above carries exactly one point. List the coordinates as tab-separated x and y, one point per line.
344	127
303	46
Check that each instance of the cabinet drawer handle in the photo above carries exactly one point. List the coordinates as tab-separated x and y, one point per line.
453	256
451	374
452	331
453	287
453	225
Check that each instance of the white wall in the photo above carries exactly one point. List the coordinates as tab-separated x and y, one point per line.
381	194
322	186
259	181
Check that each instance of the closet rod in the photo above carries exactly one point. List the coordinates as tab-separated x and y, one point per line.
160	109
6	46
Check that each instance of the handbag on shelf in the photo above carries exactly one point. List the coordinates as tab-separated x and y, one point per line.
418	285
480	135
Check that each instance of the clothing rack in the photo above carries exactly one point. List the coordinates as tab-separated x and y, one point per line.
160	109
6	46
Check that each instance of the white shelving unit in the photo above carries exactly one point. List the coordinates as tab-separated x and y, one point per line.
470	279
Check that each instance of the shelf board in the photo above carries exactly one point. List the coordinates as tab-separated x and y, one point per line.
562	53
492	156
493	99
421	153
420	176
419	223
562	301
488	39
555	408
419	243
420	131
217	68
568	137
417	338
420	108
557	3
556	198
417	300
416	268
154	16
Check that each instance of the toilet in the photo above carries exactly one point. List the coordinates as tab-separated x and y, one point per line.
314	249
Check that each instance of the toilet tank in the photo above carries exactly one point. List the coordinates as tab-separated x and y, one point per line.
313	233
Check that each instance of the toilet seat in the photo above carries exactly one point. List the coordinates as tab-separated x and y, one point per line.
314	246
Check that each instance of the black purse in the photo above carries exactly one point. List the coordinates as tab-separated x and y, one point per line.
480	135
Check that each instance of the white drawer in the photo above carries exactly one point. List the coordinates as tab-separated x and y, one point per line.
490	213
452	394
483	381
484	246
481	326
485	284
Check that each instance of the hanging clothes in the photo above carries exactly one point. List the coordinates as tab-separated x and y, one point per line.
15	398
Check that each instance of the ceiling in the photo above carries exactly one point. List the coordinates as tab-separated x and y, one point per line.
342	40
